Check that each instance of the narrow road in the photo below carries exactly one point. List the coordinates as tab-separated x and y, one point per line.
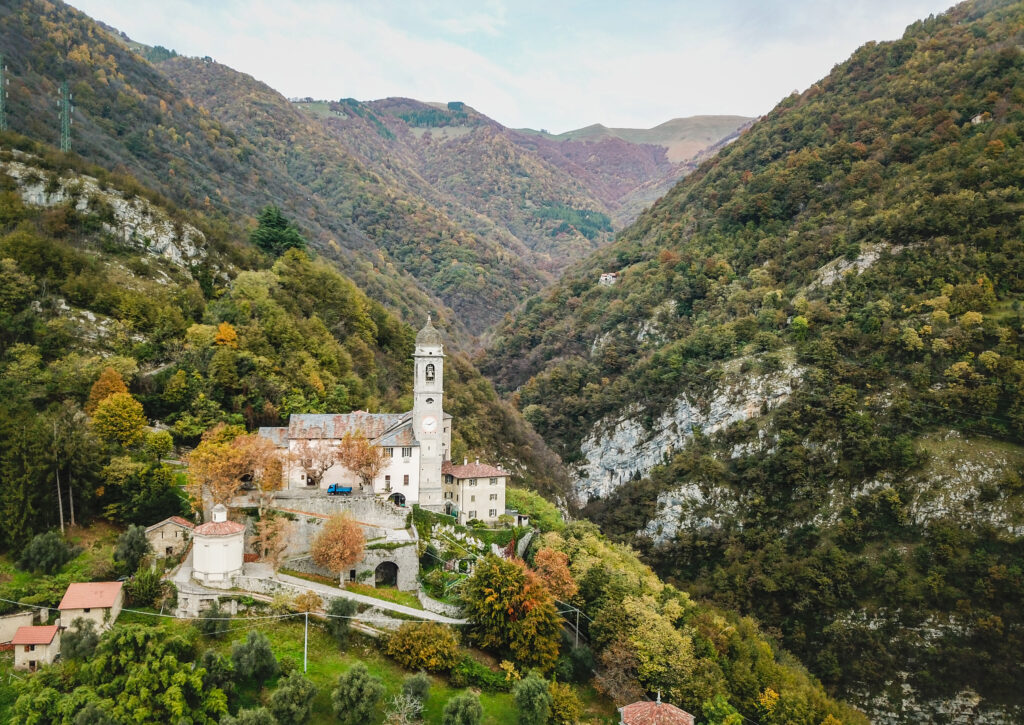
324	590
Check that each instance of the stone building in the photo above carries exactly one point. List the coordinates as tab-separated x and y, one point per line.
99	601
170	536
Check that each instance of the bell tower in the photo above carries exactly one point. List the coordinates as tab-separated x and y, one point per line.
428	415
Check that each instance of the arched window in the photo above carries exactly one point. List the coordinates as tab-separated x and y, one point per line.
430	372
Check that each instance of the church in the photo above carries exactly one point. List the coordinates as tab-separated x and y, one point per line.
416	444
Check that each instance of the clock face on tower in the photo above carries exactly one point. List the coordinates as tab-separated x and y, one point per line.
429	424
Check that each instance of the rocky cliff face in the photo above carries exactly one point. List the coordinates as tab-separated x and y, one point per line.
618	450
131	220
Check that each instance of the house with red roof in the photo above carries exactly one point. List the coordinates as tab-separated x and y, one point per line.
473	491
99	601
35	646
653	713
170	536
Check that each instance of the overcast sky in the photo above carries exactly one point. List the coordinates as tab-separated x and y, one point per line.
552	64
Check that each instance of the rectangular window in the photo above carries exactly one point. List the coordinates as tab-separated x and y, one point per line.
389	452
492	513
471	514
405	480
472	482
86	610
387	481
407	453
494	482
494	497
472	499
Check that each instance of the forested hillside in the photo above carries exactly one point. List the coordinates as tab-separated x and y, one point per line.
802	397
106	281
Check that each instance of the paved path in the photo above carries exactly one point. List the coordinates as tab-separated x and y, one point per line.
330	591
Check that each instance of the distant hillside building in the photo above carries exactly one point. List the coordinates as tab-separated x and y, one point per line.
170	536
35	646
99	601
474	491
416	443
654	713
218	549
609	278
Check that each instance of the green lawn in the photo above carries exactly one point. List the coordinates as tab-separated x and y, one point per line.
388	594
326	662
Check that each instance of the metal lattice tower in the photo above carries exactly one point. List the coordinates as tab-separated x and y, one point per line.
3	95
66	109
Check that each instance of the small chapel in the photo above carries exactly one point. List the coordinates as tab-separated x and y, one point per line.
416	444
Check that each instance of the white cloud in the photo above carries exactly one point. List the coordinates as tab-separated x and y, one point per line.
528	63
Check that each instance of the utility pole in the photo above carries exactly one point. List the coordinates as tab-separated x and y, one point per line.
305	644
66	109
3	94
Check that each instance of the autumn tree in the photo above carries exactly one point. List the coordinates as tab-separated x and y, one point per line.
339	545
119	418
429	646
314	457
356	453
225	458
272	535
512	610
108	383
226	335
553	568
309	601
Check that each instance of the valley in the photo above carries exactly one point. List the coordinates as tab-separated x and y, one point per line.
756	384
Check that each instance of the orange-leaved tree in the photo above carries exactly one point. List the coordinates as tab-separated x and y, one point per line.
108	383
358	455
339	545
226	458
553	568
512	611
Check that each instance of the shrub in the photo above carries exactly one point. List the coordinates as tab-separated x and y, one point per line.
338	624
254	716
254	659
132	548
417	687
566	707
80	640
211	622
533	700
146	588
470	673
46	553
463	709
292	700
356	695
424	645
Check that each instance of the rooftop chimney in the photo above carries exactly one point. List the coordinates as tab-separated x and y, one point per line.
465	461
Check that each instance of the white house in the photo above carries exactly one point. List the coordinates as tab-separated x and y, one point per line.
415	443
99	601
218	549
35	646
474	491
